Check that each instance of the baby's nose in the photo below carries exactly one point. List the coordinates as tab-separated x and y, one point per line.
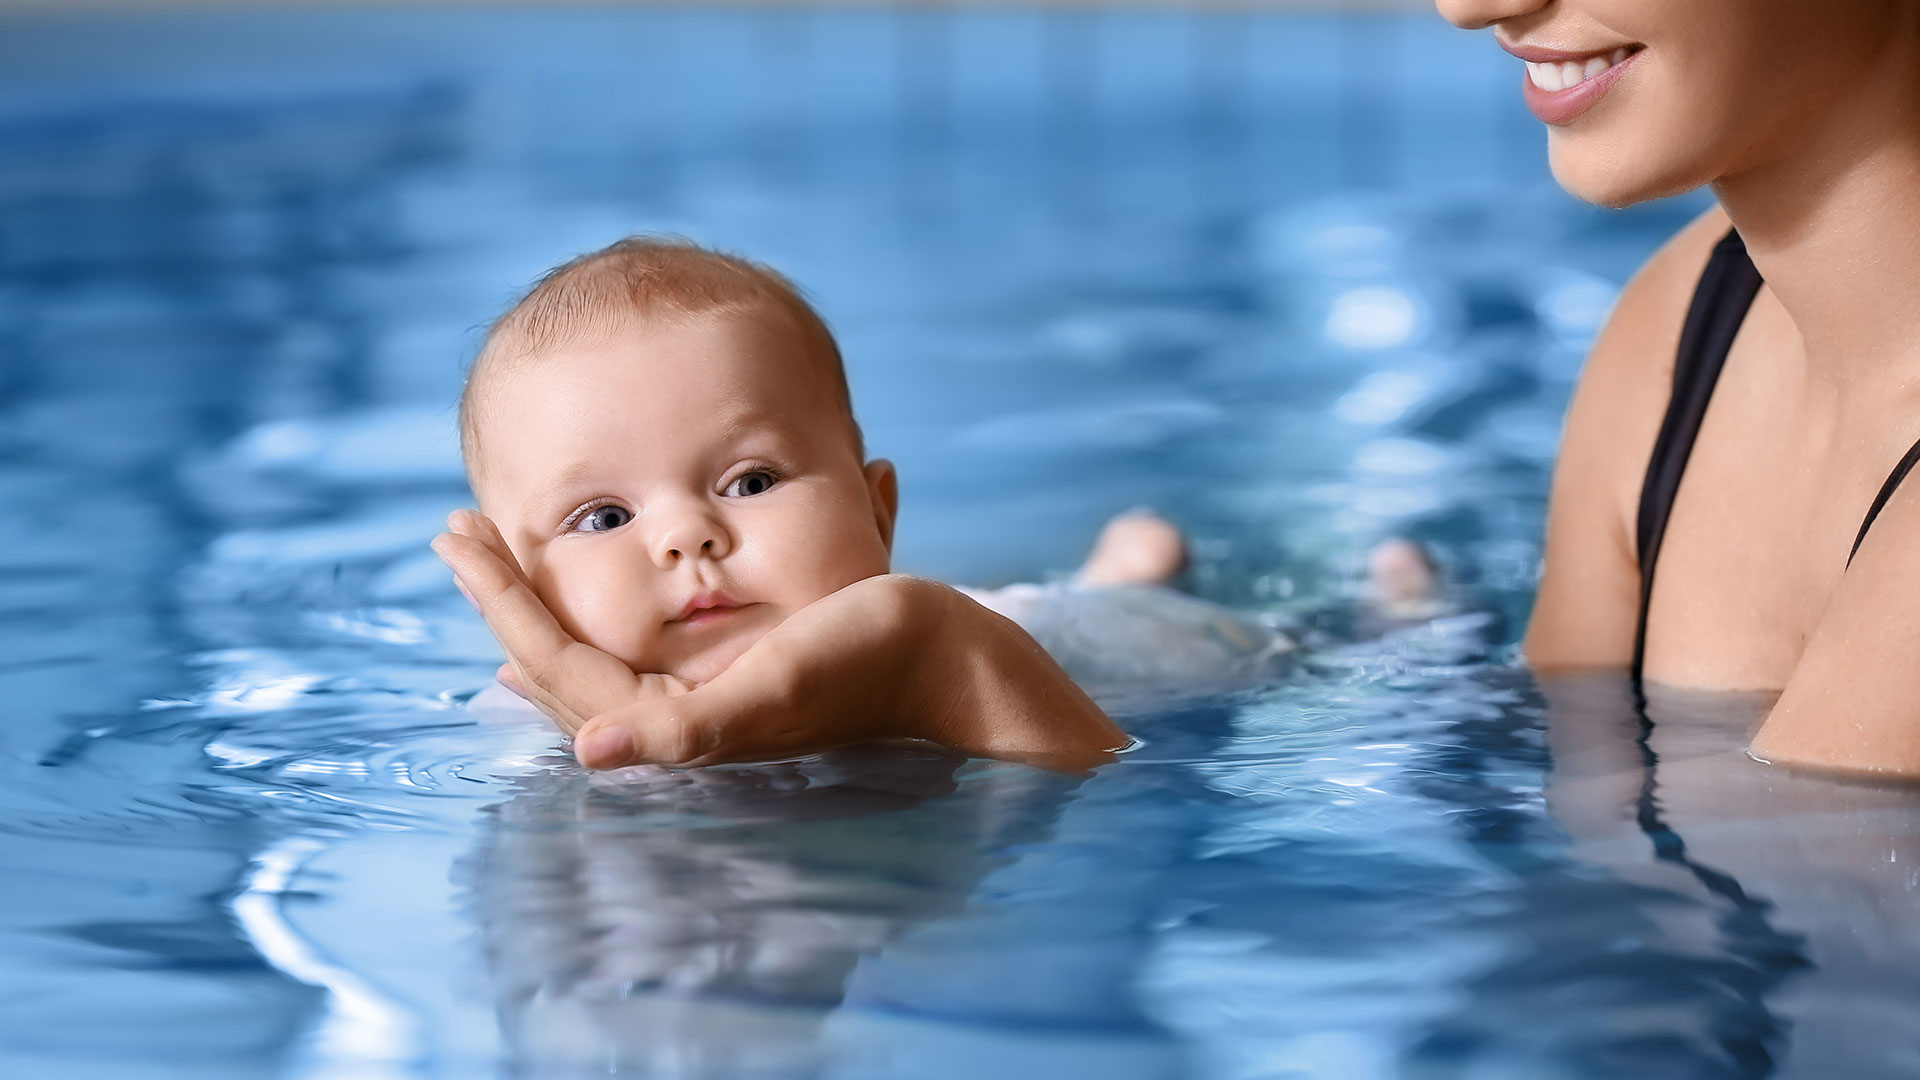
690	535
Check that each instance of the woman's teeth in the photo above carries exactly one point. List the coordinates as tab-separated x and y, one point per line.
1571	73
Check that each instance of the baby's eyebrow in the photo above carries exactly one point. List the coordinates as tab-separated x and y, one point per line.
738	421
567	477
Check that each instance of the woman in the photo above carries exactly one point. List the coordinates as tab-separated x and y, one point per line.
1752	399
1749	412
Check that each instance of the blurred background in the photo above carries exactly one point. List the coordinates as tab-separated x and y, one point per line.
1050	237
1294	274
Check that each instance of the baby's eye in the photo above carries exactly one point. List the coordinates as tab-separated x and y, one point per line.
602	519
752	483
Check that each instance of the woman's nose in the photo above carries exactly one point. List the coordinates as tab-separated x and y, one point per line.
1478	14
679	534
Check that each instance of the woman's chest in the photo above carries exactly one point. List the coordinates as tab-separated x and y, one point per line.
1772	498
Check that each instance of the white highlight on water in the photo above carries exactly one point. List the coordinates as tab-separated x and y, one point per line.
363	1034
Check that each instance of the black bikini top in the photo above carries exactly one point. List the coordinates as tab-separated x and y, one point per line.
1720	302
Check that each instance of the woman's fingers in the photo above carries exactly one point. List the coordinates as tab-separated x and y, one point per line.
607	743
665	686
509	678
569	680
513	611
811	684
533	639
826	677
664	726
689	728
480	527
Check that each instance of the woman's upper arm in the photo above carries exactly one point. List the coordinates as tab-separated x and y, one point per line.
1853	701
1588	603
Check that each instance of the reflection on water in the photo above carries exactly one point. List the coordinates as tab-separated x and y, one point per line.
643	920
1812	884
248	824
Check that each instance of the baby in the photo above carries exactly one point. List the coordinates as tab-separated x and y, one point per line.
664	438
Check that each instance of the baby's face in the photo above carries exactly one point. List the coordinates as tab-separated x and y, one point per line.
677	490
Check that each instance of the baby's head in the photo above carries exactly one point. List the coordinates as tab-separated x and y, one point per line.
664	437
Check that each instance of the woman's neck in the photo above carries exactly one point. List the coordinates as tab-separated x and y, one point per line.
1832	220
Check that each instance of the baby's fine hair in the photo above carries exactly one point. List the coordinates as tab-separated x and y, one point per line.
643	275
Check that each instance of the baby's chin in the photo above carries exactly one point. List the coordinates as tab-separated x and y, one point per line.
710	662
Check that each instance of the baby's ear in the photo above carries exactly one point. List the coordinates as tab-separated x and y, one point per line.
883	491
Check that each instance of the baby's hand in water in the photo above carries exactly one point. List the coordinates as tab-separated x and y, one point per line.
540	652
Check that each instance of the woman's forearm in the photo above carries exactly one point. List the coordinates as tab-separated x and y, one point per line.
983	686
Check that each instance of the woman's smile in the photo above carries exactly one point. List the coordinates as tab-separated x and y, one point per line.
1560	85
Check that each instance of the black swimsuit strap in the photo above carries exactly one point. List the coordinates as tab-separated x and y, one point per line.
1887	489
1720	302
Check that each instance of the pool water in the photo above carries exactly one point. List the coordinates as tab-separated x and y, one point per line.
1299	282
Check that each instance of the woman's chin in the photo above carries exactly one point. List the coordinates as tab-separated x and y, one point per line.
1611	177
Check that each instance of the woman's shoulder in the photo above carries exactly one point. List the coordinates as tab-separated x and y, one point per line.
1588	596
1642	336
1628	376
1616	411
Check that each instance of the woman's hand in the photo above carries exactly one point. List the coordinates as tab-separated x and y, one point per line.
540	653
887	657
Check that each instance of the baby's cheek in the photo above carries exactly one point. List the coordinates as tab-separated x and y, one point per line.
855	555
597	610
830	561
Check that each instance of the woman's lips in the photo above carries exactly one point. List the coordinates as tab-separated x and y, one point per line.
1559	86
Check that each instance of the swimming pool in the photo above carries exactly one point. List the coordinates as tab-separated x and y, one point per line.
1297	281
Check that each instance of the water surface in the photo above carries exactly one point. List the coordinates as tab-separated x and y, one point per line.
249	826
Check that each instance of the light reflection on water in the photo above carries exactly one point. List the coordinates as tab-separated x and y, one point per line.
248	823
